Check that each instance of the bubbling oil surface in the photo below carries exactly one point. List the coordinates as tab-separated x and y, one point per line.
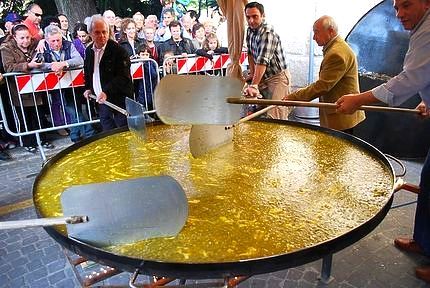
275	189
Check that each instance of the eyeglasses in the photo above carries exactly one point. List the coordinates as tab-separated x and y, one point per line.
36	14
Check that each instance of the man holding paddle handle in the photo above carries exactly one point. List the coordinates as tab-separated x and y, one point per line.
107	74
338	75
414	16
268	67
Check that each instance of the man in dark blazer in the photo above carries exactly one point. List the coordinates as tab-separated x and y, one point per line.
107	74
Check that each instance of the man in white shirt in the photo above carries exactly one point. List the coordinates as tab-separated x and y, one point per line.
414	16
107	73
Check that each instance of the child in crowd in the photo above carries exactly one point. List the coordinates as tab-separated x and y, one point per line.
169	64
147	85
145	52
211	46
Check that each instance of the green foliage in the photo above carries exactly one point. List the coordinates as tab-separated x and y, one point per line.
17	6
212	3
195	4
126	8
123	8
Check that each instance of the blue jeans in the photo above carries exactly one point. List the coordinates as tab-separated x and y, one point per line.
422	213
75	114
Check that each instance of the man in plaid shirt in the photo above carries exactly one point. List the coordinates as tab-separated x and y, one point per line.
268	68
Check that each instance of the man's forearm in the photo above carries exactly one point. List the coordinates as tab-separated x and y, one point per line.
259	71
367	98
75	58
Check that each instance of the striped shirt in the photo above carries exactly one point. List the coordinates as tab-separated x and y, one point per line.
265	47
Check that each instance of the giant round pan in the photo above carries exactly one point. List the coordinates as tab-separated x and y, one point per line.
281	195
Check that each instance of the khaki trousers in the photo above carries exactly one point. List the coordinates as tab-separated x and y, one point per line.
275	88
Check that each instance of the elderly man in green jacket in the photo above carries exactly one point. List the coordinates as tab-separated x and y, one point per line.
338	76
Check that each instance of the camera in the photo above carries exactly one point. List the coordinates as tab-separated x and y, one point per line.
38	58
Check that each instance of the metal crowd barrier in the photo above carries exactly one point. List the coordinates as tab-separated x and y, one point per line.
55	97
192	64
57	101
145	74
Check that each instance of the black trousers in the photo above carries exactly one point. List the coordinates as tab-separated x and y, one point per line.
111	119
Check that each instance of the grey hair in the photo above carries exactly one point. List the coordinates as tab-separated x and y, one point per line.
52	29
31	6
97	18
328	22
108	11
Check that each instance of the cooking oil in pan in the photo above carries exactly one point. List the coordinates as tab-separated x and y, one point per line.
274	190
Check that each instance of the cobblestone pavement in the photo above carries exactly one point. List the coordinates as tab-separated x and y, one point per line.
30	258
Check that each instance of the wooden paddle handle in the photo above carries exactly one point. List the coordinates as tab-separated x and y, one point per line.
111	105
251	116
235	100
255	114
42	222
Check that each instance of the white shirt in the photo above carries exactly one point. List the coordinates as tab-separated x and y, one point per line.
98	54
416	70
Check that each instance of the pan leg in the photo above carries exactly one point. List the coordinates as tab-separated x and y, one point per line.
325	276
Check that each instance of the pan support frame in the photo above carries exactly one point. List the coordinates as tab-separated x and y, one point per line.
87	279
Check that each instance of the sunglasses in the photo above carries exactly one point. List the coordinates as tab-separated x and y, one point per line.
36	14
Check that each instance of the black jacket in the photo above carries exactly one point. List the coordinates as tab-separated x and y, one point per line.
131	51
183	46
217	51
115	75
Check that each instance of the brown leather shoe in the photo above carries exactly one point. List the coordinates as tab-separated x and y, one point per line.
408	245
423	273
63	132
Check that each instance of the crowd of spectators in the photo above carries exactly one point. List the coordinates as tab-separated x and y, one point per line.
46	42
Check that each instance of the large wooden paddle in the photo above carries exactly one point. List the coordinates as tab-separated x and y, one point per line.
264	102
119	212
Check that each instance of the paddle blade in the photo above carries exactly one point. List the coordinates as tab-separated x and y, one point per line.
126	211
136	119
205	138
197	99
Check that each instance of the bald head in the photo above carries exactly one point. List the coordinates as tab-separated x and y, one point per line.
325	29
327	23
